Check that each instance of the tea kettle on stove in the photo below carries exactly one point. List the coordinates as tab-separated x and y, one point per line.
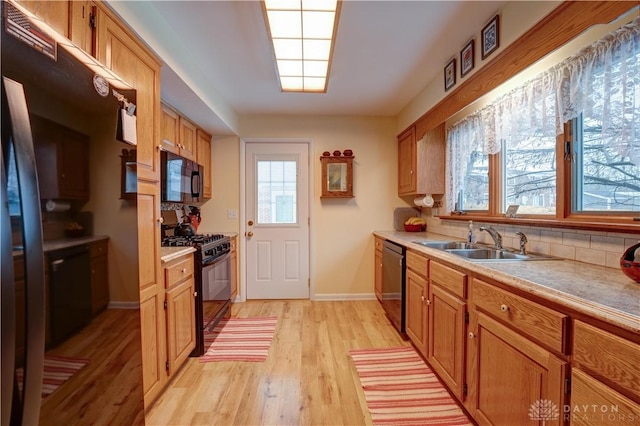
184	229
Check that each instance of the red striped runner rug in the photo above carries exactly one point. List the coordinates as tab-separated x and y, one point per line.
57	370
240	339
400	389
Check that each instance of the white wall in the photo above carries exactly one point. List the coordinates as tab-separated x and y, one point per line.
342	244
515	19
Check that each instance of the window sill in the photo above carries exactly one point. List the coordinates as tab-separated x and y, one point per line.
620	225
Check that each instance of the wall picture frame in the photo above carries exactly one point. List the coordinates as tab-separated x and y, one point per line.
337	177
450	75
467	58
490	37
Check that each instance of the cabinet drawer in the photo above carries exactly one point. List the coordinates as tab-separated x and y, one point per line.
450	279
418	263
379	243
178	271
98	248
541	323
607	356
586	393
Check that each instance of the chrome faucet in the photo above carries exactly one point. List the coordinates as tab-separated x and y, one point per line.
497	238
523	242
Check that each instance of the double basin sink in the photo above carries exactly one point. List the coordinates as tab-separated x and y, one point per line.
480	253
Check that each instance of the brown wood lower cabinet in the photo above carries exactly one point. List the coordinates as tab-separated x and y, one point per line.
417	303
511	379
99	275
379	243
447	338
233	267
180	311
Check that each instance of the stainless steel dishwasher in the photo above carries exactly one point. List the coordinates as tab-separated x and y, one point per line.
69	291
393	291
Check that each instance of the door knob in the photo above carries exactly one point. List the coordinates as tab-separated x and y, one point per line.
250	223
248	234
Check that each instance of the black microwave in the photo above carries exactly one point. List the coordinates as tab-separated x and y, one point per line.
181	179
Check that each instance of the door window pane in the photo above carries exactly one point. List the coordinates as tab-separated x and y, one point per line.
277	192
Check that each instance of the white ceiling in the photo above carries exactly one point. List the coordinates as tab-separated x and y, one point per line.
219	65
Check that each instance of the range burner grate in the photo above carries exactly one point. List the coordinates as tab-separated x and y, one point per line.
195	240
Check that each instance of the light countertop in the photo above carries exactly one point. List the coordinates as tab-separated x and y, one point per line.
167	254
600	292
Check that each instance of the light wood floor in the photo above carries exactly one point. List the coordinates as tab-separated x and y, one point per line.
308	378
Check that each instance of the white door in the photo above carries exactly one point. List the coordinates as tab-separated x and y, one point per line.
277	227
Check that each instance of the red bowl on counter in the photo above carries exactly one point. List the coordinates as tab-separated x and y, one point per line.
629	266
413	228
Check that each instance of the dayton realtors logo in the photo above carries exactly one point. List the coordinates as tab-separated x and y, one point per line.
545	410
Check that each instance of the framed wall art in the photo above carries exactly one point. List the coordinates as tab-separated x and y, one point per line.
337	177
467	58
450	75
490	36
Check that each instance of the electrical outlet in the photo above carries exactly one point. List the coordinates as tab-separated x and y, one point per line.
232	214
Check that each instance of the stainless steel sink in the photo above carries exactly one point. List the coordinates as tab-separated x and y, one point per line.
482	253
489	254
443	245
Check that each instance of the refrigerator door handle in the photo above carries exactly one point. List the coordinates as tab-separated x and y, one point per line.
33	249
8	305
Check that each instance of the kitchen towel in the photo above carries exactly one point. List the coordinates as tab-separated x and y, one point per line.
400	389
240	339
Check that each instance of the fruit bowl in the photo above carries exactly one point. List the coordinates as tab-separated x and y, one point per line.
629	266
413	228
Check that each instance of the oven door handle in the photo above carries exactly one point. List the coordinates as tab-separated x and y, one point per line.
207	264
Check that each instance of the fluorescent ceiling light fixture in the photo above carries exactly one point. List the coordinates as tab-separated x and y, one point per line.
303	33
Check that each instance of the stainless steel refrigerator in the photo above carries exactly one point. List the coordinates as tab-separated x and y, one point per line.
38	64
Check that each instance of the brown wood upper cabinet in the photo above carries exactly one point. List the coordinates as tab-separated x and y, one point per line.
62	158
421	161
178	134
203	157
82	24
54	13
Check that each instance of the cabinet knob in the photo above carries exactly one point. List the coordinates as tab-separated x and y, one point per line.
422	298
160	220
504	308
195	294
472	335
159	148
184	270
428	302
410	172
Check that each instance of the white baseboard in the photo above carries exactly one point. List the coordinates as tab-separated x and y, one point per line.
345	296
124	305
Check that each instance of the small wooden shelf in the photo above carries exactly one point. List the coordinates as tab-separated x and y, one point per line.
337	177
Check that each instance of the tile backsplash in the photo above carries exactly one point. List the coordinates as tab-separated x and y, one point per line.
597	248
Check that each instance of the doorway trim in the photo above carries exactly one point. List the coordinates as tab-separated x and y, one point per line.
243	213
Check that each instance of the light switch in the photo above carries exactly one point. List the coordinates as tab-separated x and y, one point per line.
232	214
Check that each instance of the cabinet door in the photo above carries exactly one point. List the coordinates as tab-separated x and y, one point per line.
99	284
510	378
592	402
181	326
54	13
203	158
126	57
378	274
417	303
169	129
82	25
74	166
447	338
407	162
233	267
187	139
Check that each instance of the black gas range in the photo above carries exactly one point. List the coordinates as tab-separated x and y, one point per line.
212	280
